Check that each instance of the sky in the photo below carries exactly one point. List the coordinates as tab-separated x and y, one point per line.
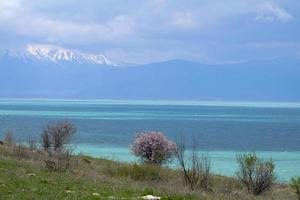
145	31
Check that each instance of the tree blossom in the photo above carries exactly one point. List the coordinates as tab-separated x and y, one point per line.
153	147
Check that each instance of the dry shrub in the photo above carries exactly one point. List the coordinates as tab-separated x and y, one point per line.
45	141
20	151
31	143
59	161
55	136
257	175
25	150
9	137
53	140
195	168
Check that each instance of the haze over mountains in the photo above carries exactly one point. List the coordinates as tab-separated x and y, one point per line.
45	71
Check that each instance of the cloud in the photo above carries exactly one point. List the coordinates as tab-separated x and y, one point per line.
31	24
148	30
4	4
8	8
183	19
271	12
274	45
157	4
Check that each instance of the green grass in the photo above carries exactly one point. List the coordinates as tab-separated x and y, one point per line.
25	177
20	181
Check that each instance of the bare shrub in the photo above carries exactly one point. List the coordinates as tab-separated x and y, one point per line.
153	148
31	143
257	175
203	164
53	140
45	141
295	184
59	160
20	151
57	135
195	167
64	160
9	137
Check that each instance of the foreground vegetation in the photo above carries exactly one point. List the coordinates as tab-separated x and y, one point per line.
23	175
49	170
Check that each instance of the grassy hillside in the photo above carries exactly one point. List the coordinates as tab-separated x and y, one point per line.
23	176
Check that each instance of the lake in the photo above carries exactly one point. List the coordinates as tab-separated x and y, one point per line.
106	128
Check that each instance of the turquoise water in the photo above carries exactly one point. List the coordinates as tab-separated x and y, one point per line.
222	162
106	128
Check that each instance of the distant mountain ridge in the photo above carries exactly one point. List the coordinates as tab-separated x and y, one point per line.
83	78
45	54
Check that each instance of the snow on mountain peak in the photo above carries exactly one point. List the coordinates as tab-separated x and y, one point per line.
51	53
57	54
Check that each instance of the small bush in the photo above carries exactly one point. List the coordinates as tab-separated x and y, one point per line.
195	168
257	175
57	135
295	184
153	148
45	141
53	140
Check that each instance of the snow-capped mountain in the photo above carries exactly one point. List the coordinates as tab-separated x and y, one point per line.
48	53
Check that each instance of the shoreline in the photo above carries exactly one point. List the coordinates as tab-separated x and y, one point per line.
85	177
223	162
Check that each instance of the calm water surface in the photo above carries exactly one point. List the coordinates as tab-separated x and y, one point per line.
106	128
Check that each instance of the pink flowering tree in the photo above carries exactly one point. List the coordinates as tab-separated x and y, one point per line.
153	148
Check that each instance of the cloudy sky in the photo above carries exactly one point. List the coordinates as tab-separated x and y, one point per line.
143	31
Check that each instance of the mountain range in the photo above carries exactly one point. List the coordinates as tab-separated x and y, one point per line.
50	54
45	71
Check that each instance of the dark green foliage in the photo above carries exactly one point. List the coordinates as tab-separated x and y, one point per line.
295	184
257	175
